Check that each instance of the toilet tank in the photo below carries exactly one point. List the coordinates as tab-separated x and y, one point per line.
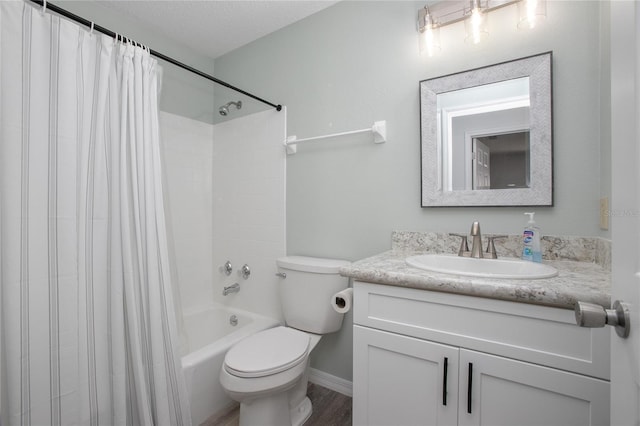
306	292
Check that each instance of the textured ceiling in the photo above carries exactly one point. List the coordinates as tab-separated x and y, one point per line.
215	27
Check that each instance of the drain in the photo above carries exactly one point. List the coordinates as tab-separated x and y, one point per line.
233	320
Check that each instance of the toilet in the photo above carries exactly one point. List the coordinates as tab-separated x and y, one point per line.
267	373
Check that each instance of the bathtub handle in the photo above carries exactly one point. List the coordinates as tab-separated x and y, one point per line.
227	268
281	275
246	271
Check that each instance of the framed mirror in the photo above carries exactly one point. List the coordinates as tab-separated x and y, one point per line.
487	137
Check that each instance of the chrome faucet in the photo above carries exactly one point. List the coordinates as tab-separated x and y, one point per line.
234	288
476	242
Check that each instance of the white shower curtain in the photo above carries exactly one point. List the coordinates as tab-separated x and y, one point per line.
87	329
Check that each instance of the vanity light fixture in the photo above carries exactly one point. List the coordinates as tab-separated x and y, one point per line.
474	13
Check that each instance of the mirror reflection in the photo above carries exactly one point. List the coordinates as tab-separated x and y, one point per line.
486	135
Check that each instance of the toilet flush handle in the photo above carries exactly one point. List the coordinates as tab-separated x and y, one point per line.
281	275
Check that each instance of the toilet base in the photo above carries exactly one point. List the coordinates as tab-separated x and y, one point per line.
270	411
301	413
274	411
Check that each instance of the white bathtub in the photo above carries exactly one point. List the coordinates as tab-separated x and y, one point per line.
209	335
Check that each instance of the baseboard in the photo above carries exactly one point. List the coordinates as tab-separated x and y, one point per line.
330	381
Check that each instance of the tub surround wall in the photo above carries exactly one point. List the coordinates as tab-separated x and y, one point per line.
226	201
249	165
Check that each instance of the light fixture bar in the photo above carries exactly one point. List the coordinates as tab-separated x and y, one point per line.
449	12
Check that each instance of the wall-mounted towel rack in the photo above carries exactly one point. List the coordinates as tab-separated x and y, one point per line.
379	130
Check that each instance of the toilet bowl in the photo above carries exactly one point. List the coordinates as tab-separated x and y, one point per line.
267	373
264	385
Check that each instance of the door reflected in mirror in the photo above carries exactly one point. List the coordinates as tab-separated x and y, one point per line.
499	161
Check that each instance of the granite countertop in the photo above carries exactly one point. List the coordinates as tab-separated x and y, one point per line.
576	281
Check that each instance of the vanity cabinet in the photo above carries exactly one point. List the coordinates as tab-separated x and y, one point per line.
430	358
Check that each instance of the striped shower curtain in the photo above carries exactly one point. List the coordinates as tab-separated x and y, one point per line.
87	329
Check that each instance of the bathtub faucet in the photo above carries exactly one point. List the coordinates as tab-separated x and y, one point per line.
231	289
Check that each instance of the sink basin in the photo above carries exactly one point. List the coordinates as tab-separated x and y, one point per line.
487	268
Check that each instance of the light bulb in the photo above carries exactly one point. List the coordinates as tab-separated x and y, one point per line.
476	23
531	12
429	36
429	40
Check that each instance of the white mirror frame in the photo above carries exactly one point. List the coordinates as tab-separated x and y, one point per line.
540	192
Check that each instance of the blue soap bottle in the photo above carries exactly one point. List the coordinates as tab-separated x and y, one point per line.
531	241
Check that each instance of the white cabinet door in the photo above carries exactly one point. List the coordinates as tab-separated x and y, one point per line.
501	391
400	380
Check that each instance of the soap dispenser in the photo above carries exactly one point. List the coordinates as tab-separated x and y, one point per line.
531	241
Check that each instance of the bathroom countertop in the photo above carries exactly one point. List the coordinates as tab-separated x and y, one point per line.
576	281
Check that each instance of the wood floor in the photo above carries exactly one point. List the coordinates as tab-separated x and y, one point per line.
329	409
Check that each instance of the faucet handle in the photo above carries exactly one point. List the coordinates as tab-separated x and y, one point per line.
491	248
464	245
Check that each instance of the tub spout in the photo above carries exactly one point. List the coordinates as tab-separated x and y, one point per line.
234	288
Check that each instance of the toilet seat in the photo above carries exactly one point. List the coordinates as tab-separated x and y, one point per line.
279	349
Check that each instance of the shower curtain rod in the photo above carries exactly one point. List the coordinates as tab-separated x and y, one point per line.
62	12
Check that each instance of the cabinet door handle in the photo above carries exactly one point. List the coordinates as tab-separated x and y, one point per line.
444	381
469	382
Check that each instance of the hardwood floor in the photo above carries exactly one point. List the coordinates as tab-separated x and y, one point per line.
329	409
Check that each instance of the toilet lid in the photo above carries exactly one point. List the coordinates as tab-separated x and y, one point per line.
267	352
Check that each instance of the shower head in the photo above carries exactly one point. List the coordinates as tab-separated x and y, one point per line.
224	109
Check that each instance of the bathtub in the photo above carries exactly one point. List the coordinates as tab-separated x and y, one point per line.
208	336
